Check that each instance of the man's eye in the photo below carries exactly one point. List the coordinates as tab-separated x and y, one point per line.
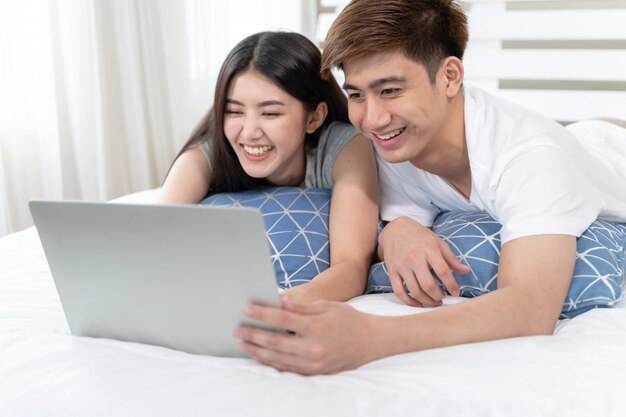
389	91
355	96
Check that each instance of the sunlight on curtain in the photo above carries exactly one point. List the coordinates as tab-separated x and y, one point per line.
97	96
28	130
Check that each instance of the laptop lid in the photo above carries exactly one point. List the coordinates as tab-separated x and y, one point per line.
171	275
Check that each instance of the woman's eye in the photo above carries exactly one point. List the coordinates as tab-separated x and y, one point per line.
271	114
232	112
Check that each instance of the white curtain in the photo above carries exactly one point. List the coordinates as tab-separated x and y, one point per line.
97	96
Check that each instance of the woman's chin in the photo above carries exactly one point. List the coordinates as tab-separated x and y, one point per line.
256	173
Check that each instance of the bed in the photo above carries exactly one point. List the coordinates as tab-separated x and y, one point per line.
579	371
44	371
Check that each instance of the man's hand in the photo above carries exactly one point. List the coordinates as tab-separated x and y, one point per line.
325	337
412	253
328	337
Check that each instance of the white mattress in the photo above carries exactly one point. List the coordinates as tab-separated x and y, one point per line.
44	371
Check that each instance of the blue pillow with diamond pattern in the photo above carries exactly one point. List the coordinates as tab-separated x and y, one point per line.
296	225
474	237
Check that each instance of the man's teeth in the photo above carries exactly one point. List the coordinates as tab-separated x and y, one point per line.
390	134
257	150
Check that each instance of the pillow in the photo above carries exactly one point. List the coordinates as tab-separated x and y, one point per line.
474	238
296	224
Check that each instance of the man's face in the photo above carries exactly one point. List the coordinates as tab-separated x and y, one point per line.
392	101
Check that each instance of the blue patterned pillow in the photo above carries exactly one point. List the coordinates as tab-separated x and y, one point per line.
296	224
474	237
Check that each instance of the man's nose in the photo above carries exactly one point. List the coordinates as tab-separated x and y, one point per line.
377	117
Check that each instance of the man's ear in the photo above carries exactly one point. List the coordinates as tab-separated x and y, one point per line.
316	117
452	74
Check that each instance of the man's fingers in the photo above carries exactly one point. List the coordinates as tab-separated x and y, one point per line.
397	283
416	295
452	260
457	266
415	284
306	360
283	352
430	287
267	339
280	318
444	273
461	268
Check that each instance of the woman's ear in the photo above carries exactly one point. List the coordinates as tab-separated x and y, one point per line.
316	117
452	72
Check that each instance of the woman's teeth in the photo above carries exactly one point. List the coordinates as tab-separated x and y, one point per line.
391	134
257	150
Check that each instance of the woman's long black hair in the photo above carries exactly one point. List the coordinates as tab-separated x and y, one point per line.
292	63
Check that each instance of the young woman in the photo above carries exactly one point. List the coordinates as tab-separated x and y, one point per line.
275	121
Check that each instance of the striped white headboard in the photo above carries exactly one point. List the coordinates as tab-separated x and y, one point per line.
563	58
566	59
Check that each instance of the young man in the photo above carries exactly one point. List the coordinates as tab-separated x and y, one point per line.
443	145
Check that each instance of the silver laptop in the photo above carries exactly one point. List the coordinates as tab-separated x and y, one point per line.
171	275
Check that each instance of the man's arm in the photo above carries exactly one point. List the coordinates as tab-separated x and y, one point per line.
534	275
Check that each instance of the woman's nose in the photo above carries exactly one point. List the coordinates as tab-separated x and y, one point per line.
251	129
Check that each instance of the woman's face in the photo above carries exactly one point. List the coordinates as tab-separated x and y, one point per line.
266	127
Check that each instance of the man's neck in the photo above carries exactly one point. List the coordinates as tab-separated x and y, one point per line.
450	160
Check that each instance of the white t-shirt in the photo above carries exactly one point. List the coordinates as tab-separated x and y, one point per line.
528	172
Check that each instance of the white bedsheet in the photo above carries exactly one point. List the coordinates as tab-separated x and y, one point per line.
44	371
